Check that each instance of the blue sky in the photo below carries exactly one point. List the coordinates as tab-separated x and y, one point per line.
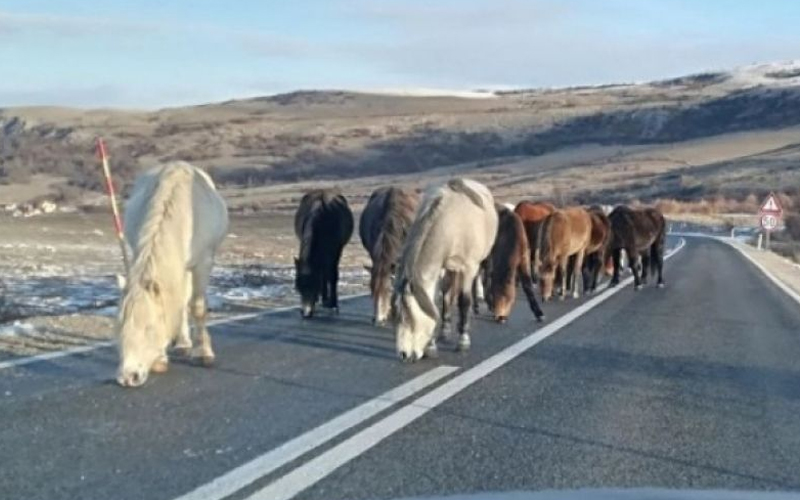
145	53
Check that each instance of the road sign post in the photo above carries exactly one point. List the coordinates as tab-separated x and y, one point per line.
770	214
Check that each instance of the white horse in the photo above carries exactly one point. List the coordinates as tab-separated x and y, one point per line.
174	221
453	232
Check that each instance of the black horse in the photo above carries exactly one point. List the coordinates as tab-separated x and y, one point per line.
640	232
323	224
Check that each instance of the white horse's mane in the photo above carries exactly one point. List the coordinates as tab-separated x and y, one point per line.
169	186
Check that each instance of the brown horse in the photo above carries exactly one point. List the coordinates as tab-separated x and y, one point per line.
564	233
383	228
598	247
533	214
510	257
638	231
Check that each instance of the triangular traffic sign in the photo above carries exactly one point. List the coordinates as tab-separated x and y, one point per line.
771	205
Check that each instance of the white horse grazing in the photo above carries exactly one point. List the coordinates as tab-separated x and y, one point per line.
174	222
454	232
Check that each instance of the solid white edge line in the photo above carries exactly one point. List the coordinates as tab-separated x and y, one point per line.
249	472
318	468
11	363
733	244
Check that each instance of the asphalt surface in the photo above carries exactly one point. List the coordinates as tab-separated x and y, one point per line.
693	386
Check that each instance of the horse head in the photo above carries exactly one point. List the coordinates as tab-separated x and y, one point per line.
140	329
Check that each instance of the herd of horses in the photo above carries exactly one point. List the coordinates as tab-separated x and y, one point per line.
452	244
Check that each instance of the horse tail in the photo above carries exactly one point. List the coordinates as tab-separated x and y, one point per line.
390	236
459	186
543	242
416	241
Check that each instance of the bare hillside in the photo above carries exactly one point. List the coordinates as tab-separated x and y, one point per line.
726	132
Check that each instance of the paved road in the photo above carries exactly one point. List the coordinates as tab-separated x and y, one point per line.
696	385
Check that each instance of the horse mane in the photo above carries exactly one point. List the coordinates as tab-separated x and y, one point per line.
161	209
144	276
415	242
398	211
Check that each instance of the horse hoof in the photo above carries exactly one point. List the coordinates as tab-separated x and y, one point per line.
206	361
661	285
502	320
432	352
160	366
636	288
464	343
183	352
335	310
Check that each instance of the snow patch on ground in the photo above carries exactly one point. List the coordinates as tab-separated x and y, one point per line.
16	328
50	292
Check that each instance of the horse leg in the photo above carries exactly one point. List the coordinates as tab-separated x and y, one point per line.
527	286
183	343
616	256
478	293
464	306
634	262
448	284
657	256
202	349
600	258
563	265
578	274
645	266
333	282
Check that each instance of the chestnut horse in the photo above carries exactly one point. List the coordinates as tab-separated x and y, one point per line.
509	258
638	231
533	214
564	233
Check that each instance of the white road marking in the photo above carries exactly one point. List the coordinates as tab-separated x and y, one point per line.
314	470
110	343
245	474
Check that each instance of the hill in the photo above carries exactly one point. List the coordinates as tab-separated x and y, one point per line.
727	133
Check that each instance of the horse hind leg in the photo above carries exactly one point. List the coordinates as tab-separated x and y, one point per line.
635	263
448	286
563	267
657	260
645	266
183	343
577	274
464	307
202	350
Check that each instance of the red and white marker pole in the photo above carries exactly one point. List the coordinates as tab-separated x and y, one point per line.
112	197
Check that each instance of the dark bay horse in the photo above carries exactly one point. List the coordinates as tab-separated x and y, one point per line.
564	233
638	231
509	259
533	214
383	228
597	250
323	224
